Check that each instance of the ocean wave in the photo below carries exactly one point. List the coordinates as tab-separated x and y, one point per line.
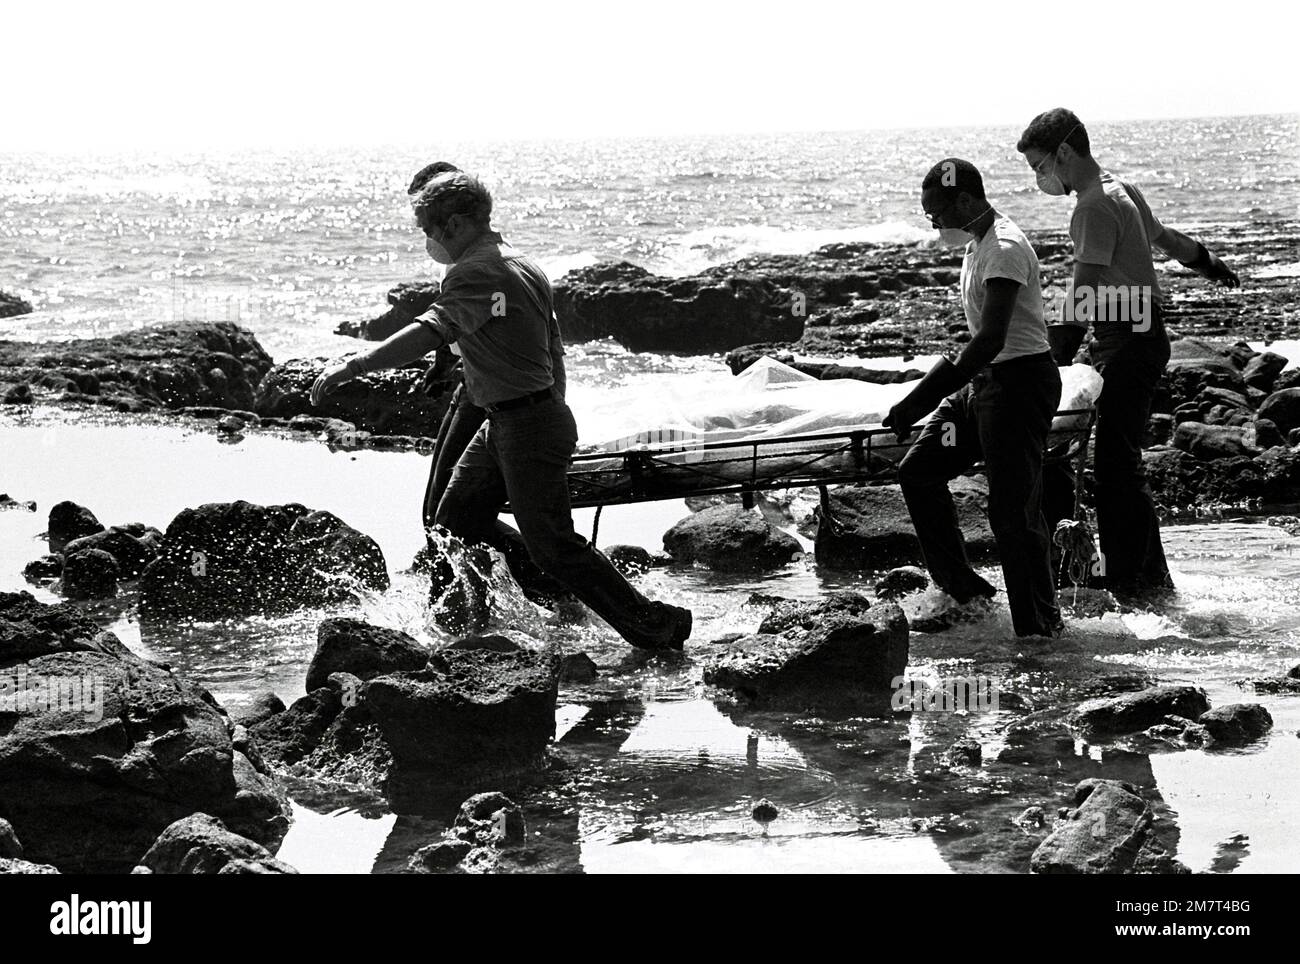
705	247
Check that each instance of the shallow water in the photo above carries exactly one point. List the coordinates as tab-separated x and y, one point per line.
658	776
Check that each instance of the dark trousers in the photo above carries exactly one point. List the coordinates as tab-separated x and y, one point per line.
459	426
1003	417
1133	558
523	455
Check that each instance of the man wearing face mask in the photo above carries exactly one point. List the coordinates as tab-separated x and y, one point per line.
497	305
995	402
1115	287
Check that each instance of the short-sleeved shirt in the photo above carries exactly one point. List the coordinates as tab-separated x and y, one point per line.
1113	226
498	307
1005	252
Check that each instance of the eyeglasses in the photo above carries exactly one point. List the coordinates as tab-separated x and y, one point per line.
1052	152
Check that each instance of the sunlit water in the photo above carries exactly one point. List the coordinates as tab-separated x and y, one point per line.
660	775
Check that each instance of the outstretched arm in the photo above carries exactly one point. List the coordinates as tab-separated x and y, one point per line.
1192	254
411	343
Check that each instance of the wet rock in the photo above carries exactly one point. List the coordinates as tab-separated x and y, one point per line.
262	706
1282	408
1210	441
90	779
1032	818
10	848
409	300
8	866
1131	712
229	559
132	554
6	502
398	401
1236	724
201	844
43	569
902	582
730	539
1267	434
1262	370
231	424
69	521
89	574
578	668
11	305
1108	832
489	820
510	641
630	560
966	752
286	738
20	394
172	366
365	651
468	712
827	653
765	811
1193	366
1160	429
868	527
441	855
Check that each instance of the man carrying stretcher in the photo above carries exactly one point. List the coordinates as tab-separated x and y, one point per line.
995	402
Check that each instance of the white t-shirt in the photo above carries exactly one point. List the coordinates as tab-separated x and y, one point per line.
1005	252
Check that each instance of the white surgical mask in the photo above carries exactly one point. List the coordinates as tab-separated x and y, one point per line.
956	237
436	251
1051	183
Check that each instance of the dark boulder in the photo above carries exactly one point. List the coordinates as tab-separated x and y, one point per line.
262	706
730	538
20	394
1131	712
1208	442
902	582
408	301
43	569
365	651
10	848
287	737
1236	724
69	521
1261	371
89	574
236	559
91	775
11	305
8	502
1109	831
201	844
1267	434
131	553
1282	408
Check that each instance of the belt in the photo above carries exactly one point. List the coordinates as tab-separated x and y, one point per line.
543	395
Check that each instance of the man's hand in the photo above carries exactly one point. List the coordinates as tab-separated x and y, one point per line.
902	417
330	379
1220	273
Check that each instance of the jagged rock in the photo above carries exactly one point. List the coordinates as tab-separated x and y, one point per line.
262	706
578	668
1282	408
901	582
287	737
8	866
132	554
730	538
840	650
489	820
868	527
441	855
400	401
10	848
6	502
365	651
1236	724
1131	712
11	305
201	844
20	394
965	752
236	559
175	365
1262	370
1109	831
69	521
630	559
89	780
43	569
409	300
89	574
1211	441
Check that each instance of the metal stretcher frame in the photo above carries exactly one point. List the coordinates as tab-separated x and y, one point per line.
674	471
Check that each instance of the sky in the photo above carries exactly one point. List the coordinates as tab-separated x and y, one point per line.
277	74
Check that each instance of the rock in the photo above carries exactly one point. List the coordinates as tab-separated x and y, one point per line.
131	554
468	712
409	300
1282	408
10	848
43	569
20	394
10	503
630	560
578	668
442	855
1262	370
229	559
25	867
868	527
392	402
172	366
286	738
11	305
69	521
697	314
902	582
1160	428
1108	832
201	844
89	574
839	651
1032	818
365	651
510	641
90	780
1267	434
230	424
489	820
765	811
730	539
965	752
1131	712
261	707
1210	441
1193	366
1236	724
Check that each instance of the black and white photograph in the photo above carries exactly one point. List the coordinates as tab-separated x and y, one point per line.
446	440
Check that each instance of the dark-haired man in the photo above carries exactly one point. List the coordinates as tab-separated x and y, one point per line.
995	402
497	305
1115	287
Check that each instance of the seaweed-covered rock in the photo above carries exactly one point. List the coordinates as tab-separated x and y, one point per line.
228	559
